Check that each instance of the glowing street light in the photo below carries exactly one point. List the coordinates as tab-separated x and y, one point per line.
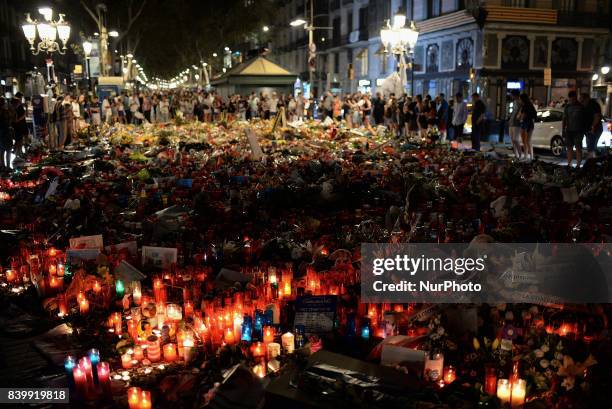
48	32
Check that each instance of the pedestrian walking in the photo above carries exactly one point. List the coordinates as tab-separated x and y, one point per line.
593	124
528	115
460	114
514	124
479	111
573	128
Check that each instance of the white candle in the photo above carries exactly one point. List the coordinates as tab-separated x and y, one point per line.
519	389
273	350
288	341
434	366
503	390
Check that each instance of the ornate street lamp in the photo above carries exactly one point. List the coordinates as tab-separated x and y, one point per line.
48	31
399	39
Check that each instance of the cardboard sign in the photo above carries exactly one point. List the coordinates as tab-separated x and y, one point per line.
393	355
87	242
159	257
130	246
254	143
316	313
128	272
73	255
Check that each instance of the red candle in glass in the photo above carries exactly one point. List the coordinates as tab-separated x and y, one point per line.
145	400
104	378
153	349
491	380
134	397
84	306
170	352
80	380
268	335
258	350
138	353
188	309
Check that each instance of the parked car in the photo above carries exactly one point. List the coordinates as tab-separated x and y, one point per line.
547	133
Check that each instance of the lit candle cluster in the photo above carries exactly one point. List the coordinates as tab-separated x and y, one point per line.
89	377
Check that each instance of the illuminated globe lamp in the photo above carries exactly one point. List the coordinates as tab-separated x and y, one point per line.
48	32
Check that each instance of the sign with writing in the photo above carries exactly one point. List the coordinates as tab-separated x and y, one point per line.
254	144
160	257
316	313
87	242
547	77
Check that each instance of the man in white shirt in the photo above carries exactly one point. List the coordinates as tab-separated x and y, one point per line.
460	114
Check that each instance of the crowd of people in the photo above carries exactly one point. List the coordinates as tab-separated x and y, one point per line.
403	116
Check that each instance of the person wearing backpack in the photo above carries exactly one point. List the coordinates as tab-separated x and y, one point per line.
573	128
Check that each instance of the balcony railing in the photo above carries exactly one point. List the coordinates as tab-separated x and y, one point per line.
573	19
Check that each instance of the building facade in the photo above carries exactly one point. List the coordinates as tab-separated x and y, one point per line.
486	46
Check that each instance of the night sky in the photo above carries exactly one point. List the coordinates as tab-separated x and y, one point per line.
166	36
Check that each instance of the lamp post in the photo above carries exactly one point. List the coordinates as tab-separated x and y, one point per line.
312	48
48	31
399	39
87	47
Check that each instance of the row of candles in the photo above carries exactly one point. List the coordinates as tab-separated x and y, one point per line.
89	377
510	391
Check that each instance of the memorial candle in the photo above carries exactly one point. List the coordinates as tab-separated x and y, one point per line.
288	342
153	349
517	399
61	269
145	400
258	349
94	358
137	293
97	287
10	276
104	378
52	269
170	352
134	397
229	337
84	306
268	335
260	370
449	375
80	381
69	364
119	288
55	283
434	366
188	347
504	390
138	353
188	306
126	361
490	380
274	350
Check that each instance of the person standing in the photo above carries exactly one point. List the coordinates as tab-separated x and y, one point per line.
514	123
164	110
442	114
378	109
528	116
479	111
593	124
20	127
7	117
94	112
460	114
146	107
573	128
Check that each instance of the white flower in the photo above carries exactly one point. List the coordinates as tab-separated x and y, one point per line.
544	363
545	348
559	356
440	331
539	353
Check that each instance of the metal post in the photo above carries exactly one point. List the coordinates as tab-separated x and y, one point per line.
310	43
